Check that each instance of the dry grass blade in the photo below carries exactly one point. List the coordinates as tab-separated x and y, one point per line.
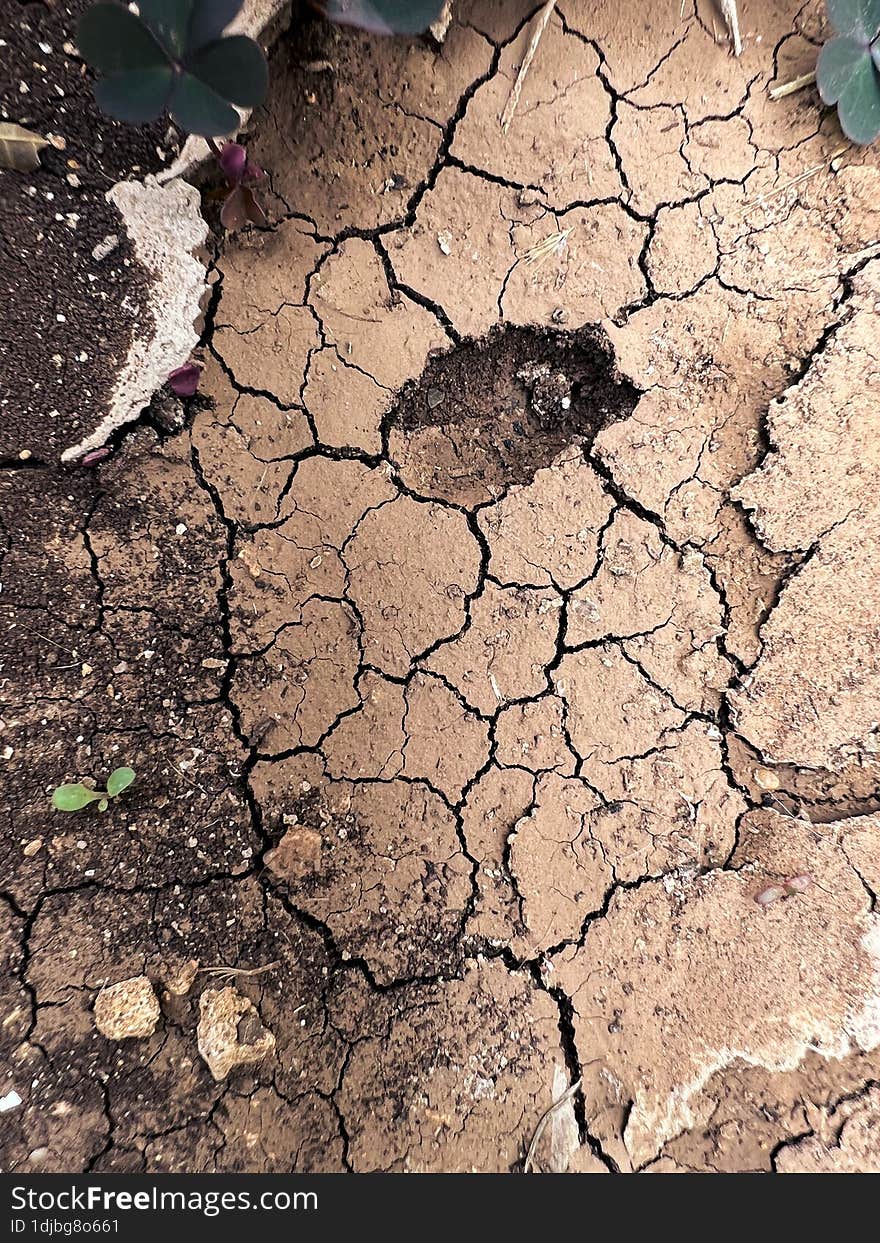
796	84
513	99
731	17
546	248
544	1119
761	199
228	972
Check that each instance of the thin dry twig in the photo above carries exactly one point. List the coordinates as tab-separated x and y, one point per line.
796	84
545	1118
46	639
228	972
731	17
513	99
760	199
549	246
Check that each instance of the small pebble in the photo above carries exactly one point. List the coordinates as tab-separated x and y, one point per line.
105	247
10	1101
769	895
766	779
127	1010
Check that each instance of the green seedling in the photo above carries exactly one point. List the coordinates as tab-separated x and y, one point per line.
176	56
76	796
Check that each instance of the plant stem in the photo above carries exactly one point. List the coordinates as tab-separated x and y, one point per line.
540	26
731	17
796	84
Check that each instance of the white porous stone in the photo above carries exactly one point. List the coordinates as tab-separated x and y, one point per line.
166	226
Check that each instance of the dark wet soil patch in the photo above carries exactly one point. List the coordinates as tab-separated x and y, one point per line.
492	412
68	315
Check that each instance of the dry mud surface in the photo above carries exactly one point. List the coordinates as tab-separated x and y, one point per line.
477	678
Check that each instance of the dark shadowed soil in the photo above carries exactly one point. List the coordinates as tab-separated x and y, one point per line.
508	403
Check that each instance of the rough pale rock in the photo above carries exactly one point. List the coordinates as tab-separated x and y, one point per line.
297	854
127	1010
230	1032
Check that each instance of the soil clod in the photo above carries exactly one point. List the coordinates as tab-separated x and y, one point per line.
491	412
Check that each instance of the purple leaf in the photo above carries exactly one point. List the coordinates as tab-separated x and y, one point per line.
233	161
241	208
96	456
184	381
255	213
233	213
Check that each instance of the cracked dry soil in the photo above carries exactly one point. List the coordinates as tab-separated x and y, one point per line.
498	626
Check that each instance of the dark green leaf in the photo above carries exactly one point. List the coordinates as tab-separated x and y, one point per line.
120	779
839	60
405	17
73	797
859	106
112	40
235	68
138	96
858	19
209	19
169	20
199	110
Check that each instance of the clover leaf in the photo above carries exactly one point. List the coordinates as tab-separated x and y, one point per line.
173	57
848	73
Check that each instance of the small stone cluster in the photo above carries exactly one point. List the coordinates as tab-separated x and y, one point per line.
230	1033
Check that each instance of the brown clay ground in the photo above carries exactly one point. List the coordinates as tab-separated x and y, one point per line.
482	702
